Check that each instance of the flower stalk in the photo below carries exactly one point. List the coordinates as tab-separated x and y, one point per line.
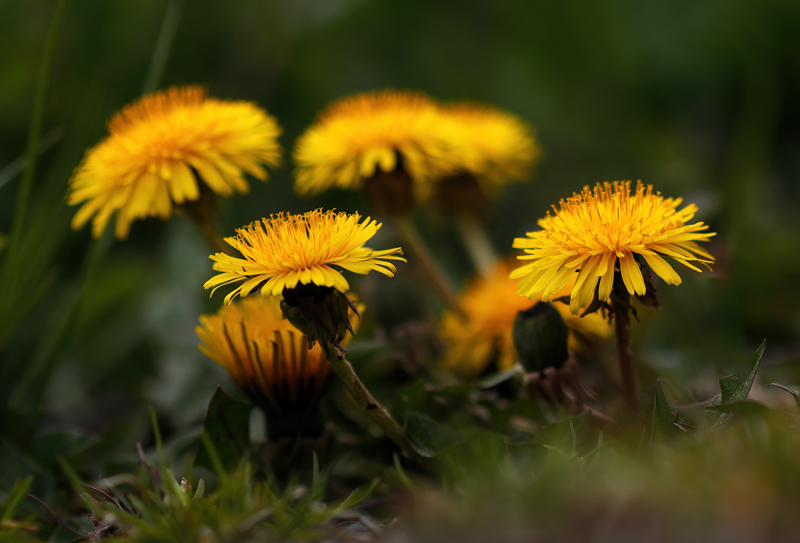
202	212
620	301
436	276
327	334
477	243
364	399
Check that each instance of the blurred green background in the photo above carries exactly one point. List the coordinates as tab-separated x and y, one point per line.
698	98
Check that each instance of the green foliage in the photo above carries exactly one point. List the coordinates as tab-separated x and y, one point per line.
240	507
12	528
734	390
227	426
663	419
428	437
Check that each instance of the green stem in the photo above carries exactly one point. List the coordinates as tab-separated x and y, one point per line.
477	244
622	324
438	279
367	403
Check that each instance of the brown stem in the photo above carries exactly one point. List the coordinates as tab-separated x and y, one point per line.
374	410
438	279
622	325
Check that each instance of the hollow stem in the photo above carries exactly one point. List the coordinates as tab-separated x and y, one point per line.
622	326
366	402
477	243
202	213
212	237
419	248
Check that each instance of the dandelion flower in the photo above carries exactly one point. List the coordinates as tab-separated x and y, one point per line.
160	146
595	232
489	145
265	356
490	306
360	136
287	250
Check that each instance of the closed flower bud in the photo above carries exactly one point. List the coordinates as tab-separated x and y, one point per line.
540	337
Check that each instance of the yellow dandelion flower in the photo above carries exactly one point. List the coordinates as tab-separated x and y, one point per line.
490	306
158	148
593	232
361	135
491	145
268	360
287	250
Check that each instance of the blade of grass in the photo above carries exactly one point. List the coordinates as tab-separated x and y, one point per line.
166	36
9	505
11	264
36	377
34	133
162	463
18	164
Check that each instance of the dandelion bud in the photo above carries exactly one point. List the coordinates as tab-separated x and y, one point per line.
321	313
540	337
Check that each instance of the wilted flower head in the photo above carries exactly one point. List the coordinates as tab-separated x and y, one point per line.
158	149
288	250
593	232
485	336
267	358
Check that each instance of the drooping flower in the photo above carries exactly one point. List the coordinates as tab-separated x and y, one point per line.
490	306
488	145
370	133
267	359
160	147
593	233
287	250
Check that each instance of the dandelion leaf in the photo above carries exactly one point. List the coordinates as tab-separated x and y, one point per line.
746	408
228	427
663	419
734	389
428	437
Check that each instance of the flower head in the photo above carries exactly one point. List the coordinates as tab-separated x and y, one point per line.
488	144
593	232
287	250
267	359
158	148
491	305
359	136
